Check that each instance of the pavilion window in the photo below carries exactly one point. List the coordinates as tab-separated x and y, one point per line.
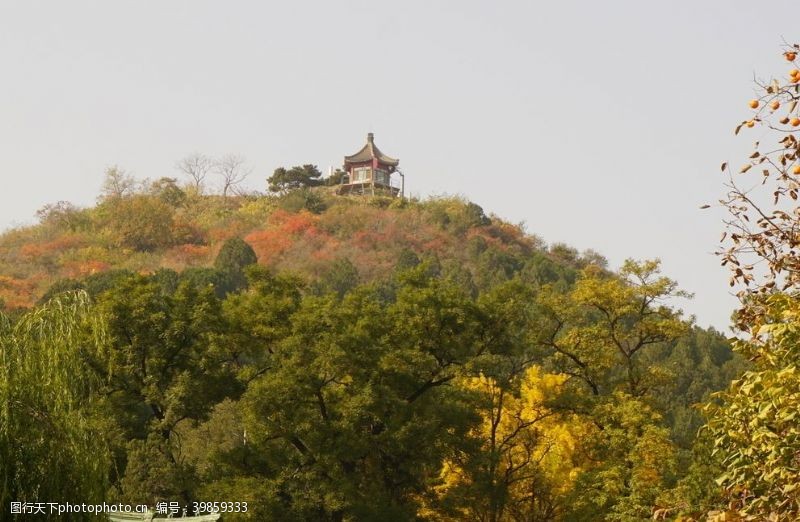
361	174
382	177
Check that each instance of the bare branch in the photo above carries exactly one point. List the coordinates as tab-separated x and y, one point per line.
196	166
233	170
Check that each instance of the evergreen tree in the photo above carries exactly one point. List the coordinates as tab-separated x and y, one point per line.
283	180
234	256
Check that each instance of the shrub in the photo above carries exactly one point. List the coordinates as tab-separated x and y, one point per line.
303	199
140	222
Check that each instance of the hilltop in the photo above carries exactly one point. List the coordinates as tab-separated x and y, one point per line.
311	232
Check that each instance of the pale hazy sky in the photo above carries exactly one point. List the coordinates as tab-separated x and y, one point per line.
598	124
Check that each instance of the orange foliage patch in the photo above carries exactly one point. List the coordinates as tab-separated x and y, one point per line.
16	293
487	237
436	244
291	223
189	254
32	251
506	232
283	231
220	234
268	244
78	269
324	255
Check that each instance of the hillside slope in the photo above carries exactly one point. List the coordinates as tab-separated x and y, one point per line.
417	358
305	232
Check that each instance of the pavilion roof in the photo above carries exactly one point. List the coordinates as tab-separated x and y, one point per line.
370	151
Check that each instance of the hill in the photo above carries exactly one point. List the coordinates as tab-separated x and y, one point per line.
305	231
344	358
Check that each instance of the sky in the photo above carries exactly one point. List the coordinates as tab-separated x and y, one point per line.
597	124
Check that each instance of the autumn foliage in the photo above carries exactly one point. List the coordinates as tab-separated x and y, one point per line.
753	425
355	358
143	231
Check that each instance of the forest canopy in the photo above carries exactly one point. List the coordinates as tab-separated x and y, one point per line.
345	358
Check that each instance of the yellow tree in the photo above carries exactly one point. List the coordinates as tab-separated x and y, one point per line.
527	460
578	440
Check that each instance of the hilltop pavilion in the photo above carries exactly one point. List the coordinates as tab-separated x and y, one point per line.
369	171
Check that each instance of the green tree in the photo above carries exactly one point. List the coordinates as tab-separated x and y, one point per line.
283	180
164	368
335	178
234	256
206	278
355	409
341	277
168	191
52	440
755	427
94	284
696	365
631	461
598	331
406	260
258	319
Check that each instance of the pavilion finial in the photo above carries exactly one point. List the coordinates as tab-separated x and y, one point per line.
370	137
